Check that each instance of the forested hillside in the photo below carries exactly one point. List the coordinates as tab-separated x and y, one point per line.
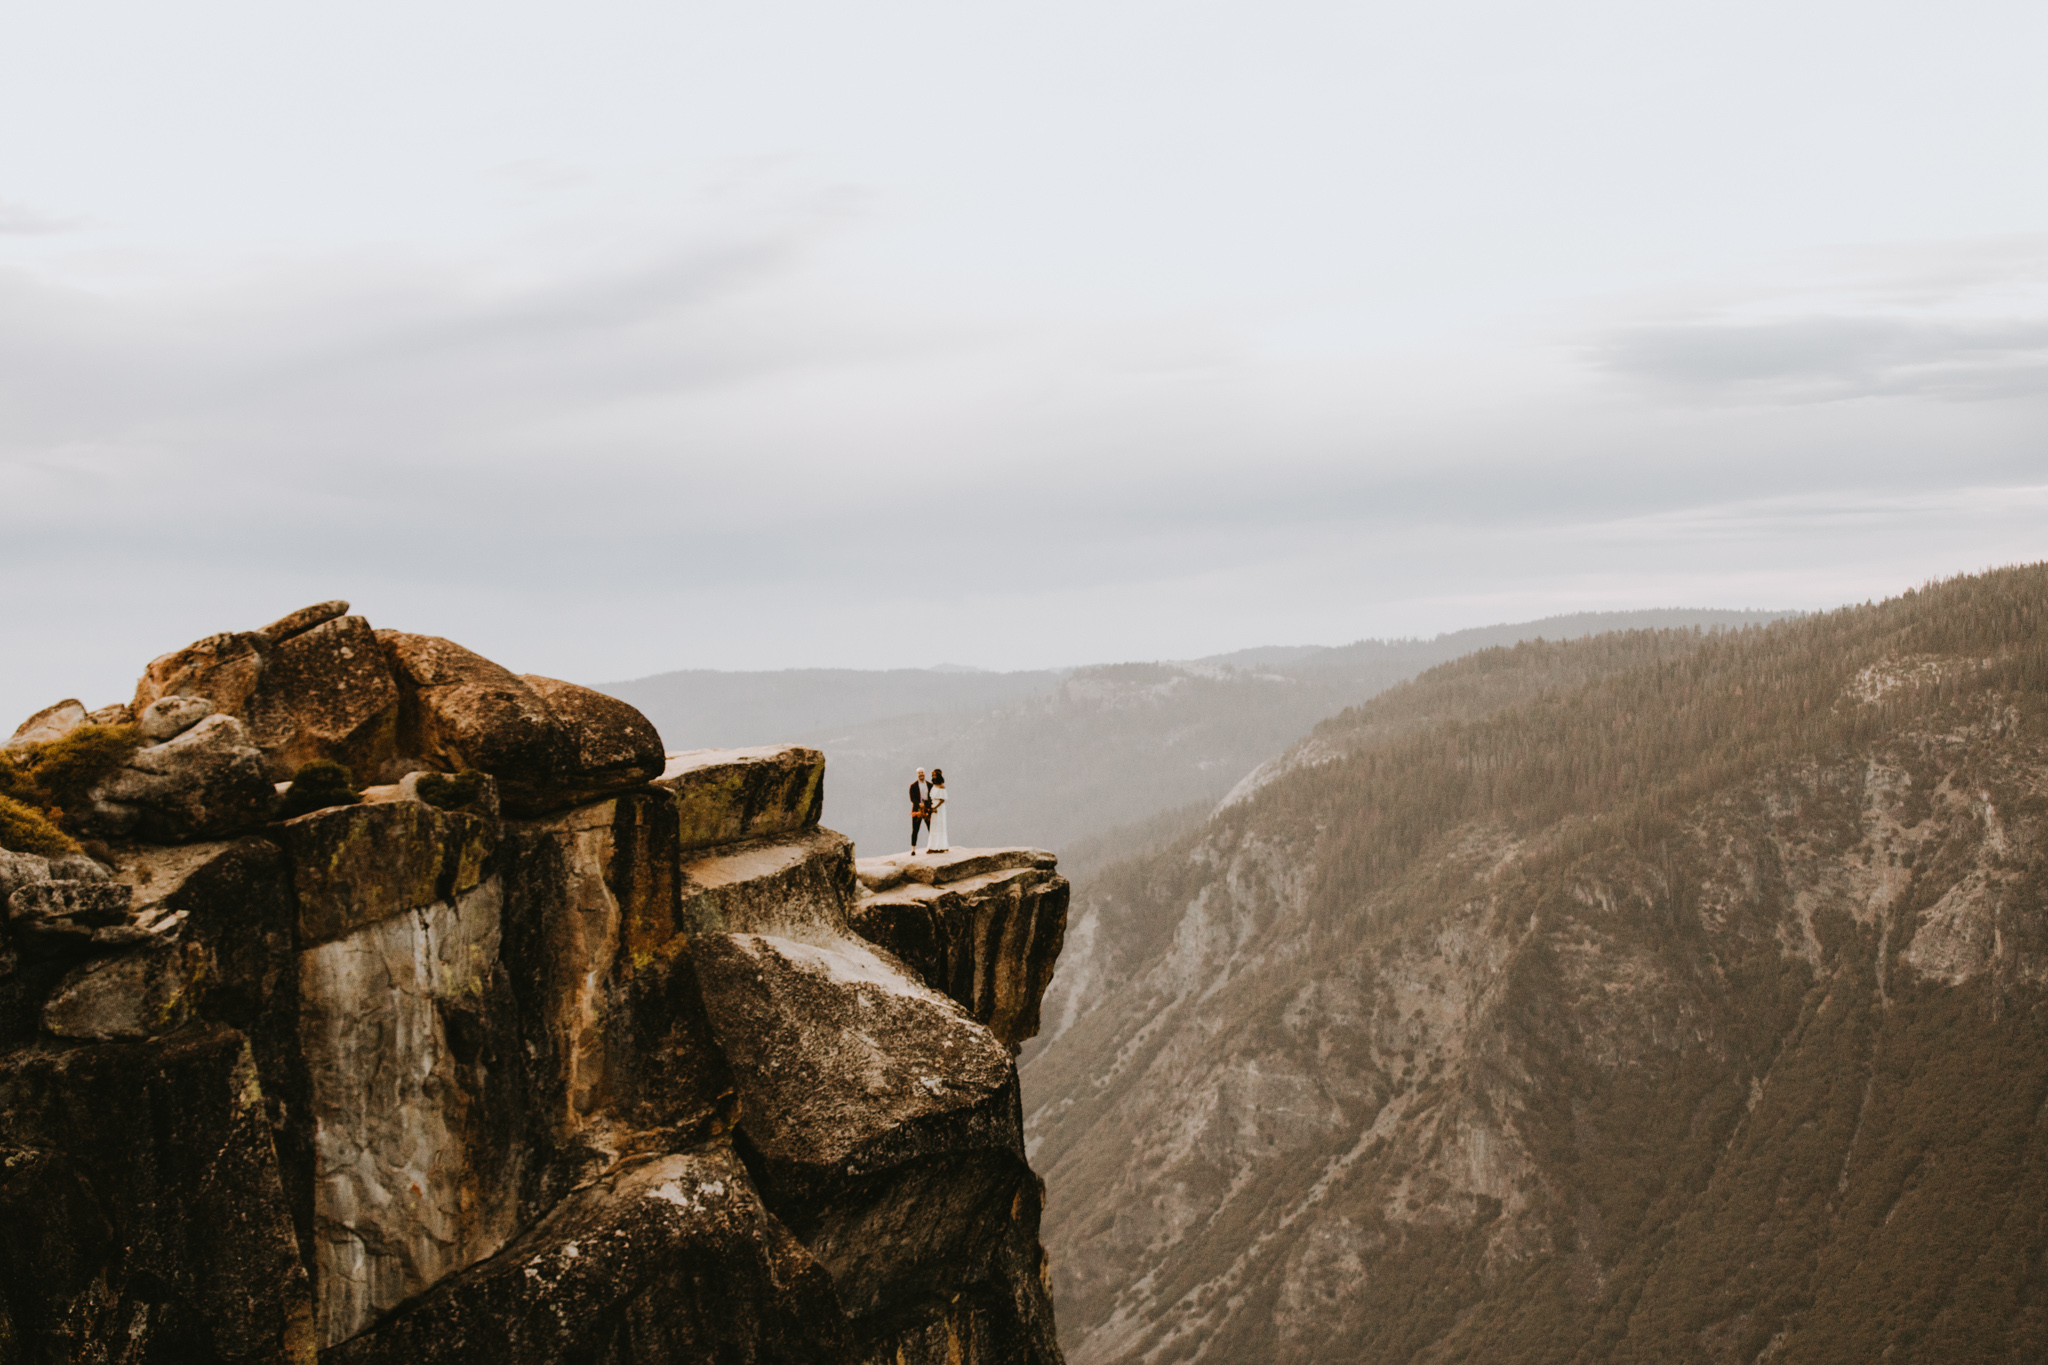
1655	997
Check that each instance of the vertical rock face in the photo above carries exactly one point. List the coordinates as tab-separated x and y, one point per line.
615	1077
412	1110
983	925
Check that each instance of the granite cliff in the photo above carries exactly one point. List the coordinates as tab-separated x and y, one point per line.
543	1045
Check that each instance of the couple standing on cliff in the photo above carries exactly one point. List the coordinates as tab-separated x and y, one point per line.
928	814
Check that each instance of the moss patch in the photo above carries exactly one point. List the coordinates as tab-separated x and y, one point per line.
451	791
316	786
24	829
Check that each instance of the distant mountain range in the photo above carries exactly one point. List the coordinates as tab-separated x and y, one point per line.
1651	997
1083	760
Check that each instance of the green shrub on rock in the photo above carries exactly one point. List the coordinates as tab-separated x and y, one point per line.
24	829
450	791
65	769
51	782
316	786
15	783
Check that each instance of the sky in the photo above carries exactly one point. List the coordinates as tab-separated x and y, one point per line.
622	337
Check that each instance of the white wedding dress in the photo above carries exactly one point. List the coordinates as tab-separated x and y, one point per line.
936	840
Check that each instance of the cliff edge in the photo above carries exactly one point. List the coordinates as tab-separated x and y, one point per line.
543	1046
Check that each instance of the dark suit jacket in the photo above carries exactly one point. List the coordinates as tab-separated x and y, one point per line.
920	797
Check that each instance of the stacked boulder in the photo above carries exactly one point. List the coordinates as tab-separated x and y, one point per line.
592	1053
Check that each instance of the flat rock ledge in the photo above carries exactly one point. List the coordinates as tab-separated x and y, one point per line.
982	925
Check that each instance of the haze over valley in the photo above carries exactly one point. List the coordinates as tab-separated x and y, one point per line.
1080	759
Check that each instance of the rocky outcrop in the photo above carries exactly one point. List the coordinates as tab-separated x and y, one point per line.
320	684
52	722
327	692
594	1067
797	887
202	783
911	1196
727	794
983	925
142	1207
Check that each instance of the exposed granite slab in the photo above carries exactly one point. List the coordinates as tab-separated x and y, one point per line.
408	1025
724	795
885	1119
354	865
986	929
671	1259
940	869
796	887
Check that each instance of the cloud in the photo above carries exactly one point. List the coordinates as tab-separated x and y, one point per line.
711	452
19	220
1818	359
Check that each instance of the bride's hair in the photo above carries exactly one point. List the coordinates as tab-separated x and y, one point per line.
938	777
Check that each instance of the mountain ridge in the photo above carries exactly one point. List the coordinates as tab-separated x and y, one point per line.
1692	1009
1055	757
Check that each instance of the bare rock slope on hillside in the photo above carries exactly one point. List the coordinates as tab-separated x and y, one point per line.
1685	1003
545	1046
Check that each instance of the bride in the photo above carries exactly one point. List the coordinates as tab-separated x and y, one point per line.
936	840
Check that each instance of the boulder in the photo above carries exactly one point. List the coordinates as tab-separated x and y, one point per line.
549	744
674	1259
226	669
119	713
144	993
795	887
92	903
989	940
52	918
204	783
355	865
18	870
460	710
485	802
302	620
52	722
327	693
723	795
611	745
885	1122
313	685
168	717
142	1210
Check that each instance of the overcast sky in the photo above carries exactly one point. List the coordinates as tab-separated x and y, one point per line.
613	338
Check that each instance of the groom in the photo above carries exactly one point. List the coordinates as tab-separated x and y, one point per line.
920	808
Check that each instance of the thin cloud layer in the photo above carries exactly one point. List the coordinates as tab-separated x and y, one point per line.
795	334
709	456
20	220
1823	359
